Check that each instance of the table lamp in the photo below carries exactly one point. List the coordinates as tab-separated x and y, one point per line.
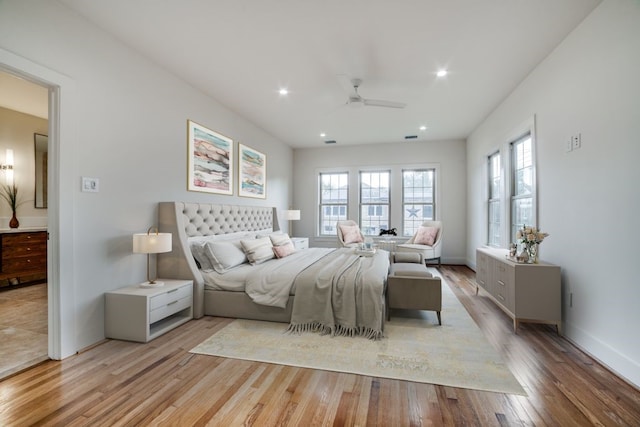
292	215
149	243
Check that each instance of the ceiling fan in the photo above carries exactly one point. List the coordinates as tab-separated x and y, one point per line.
355	100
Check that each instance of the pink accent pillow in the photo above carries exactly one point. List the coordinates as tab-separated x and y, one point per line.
284	250
351	234
426	236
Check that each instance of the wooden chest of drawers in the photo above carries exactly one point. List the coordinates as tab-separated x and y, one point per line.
23	256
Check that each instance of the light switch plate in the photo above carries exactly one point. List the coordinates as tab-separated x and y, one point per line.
90	185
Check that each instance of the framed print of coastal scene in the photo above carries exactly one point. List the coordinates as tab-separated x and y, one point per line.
252	173
210	160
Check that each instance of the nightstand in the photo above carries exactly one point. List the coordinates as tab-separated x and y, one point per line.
300	242
141	314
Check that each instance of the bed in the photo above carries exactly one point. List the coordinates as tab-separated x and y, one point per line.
315	280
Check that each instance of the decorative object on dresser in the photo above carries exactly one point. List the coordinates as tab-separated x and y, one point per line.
151	242
142	314
10	195
23	257
530	238
526	292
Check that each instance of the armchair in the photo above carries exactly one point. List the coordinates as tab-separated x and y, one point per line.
349	234
426	241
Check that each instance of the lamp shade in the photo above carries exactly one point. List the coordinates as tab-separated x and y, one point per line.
151	243
292	215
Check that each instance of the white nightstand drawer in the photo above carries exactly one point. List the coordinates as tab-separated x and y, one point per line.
300	242
167	310
170	296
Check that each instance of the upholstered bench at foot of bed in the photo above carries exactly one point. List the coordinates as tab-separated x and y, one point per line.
411	286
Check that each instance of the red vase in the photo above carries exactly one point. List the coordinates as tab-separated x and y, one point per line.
14	223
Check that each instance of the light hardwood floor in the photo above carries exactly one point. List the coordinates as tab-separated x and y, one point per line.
160	383
23	328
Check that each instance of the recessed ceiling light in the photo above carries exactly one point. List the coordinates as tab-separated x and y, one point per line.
322	135
283	92
423	128
442	73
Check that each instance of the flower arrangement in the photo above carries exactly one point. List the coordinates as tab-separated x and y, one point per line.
530	238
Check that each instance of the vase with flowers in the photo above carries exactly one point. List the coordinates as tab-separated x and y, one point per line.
530	238
10	194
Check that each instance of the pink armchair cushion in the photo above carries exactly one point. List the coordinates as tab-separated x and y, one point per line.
426	236
351	234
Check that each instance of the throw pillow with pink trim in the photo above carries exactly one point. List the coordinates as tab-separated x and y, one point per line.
426	236
351	234
284	250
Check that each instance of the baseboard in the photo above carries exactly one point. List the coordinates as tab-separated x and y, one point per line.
625	368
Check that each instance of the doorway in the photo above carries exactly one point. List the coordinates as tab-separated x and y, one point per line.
24	115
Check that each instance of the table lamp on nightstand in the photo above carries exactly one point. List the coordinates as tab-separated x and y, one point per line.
291	215
151	243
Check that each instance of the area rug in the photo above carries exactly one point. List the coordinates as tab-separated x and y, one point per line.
415	349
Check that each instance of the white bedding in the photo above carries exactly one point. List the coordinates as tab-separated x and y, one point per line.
269	283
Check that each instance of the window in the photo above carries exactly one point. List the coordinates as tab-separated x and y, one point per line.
522	188
374	201
334	196
418	198
494	202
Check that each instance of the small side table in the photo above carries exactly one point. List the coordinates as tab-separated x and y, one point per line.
134	313
300	242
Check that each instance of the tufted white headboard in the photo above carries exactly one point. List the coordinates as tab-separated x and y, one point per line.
184	220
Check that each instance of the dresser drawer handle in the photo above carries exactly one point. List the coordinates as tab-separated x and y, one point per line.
501	297
172	291
171	303
500	282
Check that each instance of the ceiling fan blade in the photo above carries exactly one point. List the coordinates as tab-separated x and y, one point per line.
381	103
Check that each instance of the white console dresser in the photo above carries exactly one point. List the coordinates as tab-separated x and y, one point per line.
526	292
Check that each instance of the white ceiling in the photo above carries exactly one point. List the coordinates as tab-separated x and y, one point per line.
242	51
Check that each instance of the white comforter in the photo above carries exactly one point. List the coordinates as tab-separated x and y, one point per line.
271	283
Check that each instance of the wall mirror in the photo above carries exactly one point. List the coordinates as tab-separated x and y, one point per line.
41	149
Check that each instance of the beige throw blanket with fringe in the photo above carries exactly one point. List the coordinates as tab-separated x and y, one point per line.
342	294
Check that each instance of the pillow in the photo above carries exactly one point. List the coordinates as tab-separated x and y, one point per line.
224	255
282	251
198	252
280	239
350	234
426	236
258	250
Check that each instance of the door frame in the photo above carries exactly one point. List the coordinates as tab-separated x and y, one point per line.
60	246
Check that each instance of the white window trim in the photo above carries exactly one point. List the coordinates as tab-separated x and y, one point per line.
395	192
506	159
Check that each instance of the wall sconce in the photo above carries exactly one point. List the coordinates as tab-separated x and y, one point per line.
8	166
151	243
291	215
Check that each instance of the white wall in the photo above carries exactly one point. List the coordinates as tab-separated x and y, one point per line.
449	156
588	198
127	127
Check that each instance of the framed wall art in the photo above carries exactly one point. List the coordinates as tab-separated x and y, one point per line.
252	173
210	160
